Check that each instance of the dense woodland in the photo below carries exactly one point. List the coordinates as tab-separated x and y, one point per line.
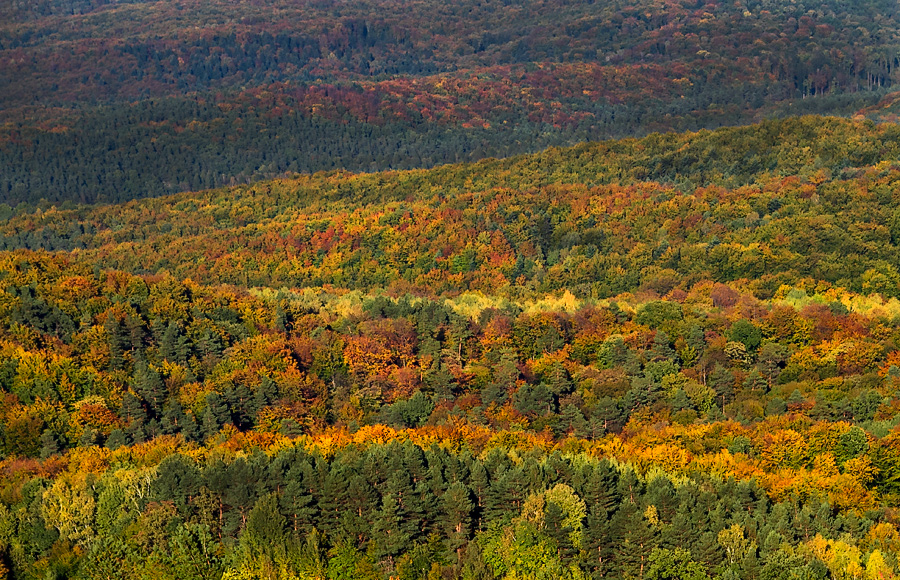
669	357
111	101
800	199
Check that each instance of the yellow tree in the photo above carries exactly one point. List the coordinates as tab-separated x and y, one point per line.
69	506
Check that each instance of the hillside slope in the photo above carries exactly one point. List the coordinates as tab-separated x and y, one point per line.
668	357
776	202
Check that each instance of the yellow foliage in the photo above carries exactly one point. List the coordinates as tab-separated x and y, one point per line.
877	568
89	459
784	448
883	536
68	505
861	469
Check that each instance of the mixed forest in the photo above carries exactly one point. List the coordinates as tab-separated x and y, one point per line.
115	100
667	357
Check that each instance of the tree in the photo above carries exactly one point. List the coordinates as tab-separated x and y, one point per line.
387	532
215	415
533	400
192	554
746	333
457	520
178	480
69	505
674	565
49	444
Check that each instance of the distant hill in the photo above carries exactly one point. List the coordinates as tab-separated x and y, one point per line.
110	101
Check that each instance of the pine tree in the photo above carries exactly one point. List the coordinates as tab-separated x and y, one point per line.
133	409
173	418
573	420
662	348
240	401
118	342
505	495
505	373
240	495
360	506
215	415
457	507
558	380
388	533
173	346
560	532
149	385
660	493
721	380
297	501
708	551
116	439
49	444
189	429
178	480
89	437
265	529
479	483
634	540
597	544
681	401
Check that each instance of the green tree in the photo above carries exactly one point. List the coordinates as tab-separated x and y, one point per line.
674	565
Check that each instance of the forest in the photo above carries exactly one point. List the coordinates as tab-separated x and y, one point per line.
108	101
667	357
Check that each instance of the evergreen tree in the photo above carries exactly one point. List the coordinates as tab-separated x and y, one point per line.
457	508
173	418
662	348
178	480
721	380
634	540
149	385
215	415
173	345
49	444
297	500
116	439
388	533
560	532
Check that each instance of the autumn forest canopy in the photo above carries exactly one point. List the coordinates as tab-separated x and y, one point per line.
111	101
676	356
479	290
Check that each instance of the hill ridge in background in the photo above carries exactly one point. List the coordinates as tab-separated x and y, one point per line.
131	100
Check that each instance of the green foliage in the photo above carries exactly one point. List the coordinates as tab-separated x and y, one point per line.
448	424
674	565
746	333
654	314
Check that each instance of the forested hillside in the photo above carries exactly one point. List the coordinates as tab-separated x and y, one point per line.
110	101
668	357
800	199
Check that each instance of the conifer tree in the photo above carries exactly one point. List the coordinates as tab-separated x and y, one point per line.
388	534
457	508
